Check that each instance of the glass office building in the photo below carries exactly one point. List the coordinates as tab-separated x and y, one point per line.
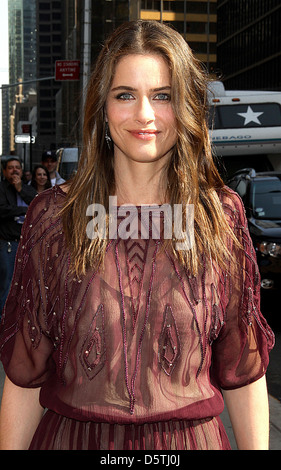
195	20
249	43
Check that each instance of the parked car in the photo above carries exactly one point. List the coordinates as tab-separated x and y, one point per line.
261	195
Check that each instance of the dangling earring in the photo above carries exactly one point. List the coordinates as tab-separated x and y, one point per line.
107	136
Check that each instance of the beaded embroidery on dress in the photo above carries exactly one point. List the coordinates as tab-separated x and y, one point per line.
137	352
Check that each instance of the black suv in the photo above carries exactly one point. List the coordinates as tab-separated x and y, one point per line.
261	195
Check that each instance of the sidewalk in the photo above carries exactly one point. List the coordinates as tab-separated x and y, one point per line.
275	419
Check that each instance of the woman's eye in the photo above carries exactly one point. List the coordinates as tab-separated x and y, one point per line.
129	96
124	96
163	97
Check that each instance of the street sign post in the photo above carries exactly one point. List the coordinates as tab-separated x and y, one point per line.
24	139
67	70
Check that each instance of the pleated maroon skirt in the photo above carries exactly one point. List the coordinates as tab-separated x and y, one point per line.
56	432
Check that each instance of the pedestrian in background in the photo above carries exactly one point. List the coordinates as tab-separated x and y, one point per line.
50	161
15	197
40	178
132	341
27	175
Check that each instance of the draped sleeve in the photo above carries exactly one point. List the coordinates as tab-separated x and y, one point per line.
241	350
29	328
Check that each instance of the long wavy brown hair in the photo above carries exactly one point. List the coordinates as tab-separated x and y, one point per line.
192	175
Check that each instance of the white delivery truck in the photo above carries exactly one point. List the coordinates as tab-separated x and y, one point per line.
245	128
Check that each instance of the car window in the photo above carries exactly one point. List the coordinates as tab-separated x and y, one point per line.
232	184
241	188
266	199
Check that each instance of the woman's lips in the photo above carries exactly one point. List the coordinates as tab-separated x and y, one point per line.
144	134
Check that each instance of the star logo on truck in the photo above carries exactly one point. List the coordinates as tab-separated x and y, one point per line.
250	116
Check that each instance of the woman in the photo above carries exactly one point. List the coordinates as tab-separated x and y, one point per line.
40	179
133	338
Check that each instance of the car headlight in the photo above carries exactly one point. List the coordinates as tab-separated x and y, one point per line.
270	248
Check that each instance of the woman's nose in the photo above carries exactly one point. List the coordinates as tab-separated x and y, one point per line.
144	111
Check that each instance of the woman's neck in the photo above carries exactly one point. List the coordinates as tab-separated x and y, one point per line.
141	183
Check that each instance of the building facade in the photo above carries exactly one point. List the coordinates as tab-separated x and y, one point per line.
29	44
249	44
22	65
195	20
49	50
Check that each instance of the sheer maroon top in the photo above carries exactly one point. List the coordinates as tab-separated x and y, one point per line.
136	343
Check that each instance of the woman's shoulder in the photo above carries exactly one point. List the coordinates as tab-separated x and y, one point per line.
230	198
49	199
232	205
45	208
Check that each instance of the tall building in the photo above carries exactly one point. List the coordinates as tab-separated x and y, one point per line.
5	122
16	59
249	44
107	15
49	49
29	44
22	61
68	98
195	20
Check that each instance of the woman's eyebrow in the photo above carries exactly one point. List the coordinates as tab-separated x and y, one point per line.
123	87
129	88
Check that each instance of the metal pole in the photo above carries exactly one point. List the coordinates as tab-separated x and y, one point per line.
30	148
3	87
184	21
24	155
86	47
208	35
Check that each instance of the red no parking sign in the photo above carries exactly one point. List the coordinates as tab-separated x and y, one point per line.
67	70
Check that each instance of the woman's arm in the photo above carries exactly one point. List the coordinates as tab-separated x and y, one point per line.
249	415
20	415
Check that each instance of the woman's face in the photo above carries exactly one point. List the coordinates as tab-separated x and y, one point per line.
41	177
139	111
